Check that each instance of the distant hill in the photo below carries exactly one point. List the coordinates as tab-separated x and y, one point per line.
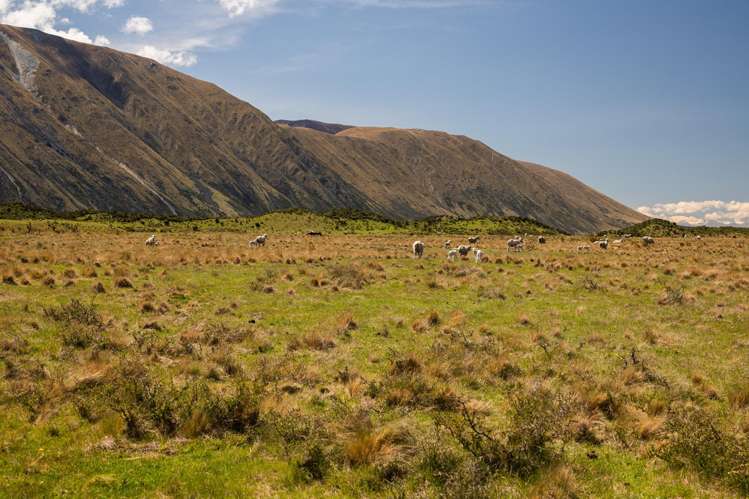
90	128
664	228
331	128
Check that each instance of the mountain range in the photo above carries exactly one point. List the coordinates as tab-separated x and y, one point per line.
85	127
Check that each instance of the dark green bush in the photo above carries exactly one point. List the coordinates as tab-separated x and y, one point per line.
82	325
538	417
695	440
314	465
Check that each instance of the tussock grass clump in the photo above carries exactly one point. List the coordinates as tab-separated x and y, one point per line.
82	325
377	446
407	385
123	283
672	296
148	405
590	284
738	395
204	411
313	340
504	369
349	276
75	312
216	334
491	293
432	320
560	482
314	464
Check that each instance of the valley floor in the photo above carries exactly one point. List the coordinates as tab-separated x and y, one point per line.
341	366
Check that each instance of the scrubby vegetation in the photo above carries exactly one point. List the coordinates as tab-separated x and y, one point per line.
335	222
663	228
341	366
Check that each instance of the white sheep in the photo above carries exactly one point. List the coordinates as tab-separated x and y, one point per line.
515	244
152	241
479	255
617	242
603	243
647	240
452	255
418	248
259	241
583	247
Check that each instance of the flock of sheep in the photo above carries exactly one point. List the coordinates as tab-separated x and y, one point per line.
515	244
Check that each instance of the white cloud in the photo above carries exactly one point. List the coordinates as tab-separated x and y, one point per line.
715	213
411	4
242	7
138	25
264	7
31	15
43	15
165	56
216	22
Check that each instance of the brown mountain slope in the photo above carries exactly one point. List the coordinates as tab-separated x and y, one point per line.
96	128
84	127
331	128
434	173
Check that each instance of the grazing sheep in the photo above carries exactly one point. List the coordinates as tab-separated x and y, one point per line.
583	247
647	240
464	250
447	244
474	239
259	241
515	244
152	241
452	255
479	255
541	240
698	237
617	241
603	243
418	248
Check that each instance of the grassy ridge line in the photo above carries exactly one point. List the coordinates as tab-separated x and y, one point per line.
286	222
663	228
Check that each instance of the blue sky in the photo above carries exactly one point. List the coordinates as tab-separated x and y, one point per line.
645	100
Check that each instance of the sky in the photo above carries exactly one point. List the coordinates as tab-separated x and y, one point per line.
644	100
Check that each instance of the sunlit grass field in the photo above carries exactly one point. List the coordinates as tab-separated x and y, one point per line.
341	366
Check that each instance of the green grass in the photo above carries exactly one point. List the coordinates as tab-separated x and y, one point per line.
503	311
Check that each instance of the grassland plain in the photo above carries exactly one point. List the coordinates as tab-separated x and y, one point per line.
341	366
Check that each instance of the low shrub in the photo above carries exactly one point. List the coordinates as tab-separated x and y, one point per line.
538	417
693	439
